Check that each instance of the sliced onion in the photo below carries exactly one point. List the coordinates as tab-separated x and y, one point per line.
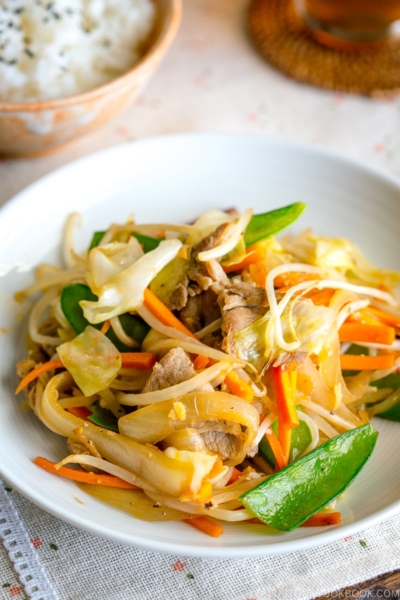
174	391
313	430
322	425
73	220
35	316
199	509
108	467
237	232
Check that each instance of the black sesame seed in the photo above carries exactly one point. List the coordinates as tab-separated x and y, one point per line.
29	52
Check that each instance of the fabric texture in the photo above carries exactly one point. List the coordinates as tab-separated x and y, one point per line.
80	566
211	80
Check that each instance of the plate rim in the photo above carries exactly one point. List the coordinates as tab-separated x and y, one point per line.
282	547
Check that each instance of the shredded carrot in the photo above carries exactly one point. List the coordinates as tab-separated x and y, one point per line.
285	439
239	387
387	318
80	411
320	519
317	520
138	360
258	274
285	397
235	476
105	327
349	362
288	280
216	470
163	314
205	525
37	371
276	449
200	362
84	476
321	297
254	254
359	332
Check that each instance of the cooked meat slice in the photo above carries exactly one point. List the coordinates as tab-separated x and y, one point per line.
172	369
239	318
191	315
242	294
25	366
224	444
209	307
218	275
214	340
78	448
198	271
179	297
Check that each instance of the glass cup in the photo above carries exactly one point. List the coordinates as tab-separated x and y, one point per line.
351	23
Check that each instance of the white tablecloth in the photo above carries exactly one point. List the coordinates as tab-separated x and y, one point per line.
211	80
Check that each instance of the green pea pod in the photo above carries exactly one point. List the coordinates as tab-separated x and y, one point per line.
288	498
148	243
301	438
270	223
390	381
103	418
72	294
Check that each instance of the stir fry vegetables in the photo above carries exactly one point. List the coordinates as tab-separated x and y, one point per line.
213	372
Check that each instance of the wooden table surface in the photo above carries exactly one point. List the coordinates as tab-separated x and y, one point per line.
385	586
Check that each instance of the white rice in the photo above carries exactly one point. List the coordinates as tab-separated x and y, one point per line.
55	49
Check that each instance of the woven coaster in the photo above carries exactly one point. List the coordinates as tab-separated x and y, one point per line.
284	40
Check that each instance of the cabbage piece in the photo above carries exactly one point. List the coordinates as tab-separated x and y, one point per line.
92	359
301	321
208	223
342	255
107	261
124	290
168	278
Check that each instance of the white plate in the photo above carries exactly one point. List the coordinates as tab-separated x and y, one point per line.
176	179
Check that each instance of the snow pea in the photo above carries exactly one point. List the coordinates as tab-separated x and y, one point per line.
288	498
72	294
103	418
390	381
301	438
148	243
266	224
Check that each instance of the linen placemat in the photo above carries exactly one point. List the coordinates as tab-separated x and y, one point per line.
64	563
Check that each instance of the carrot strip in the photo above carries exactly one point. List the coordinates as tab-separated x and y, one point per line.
84	476
254	254
138	360
200	362
285	439
276	449
216	470
359	332
349	362
239	387
258	274
320	519
105	327
34	374
292	278
284	396
235	476
163	314
205	525
383	316
80	411
321	297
